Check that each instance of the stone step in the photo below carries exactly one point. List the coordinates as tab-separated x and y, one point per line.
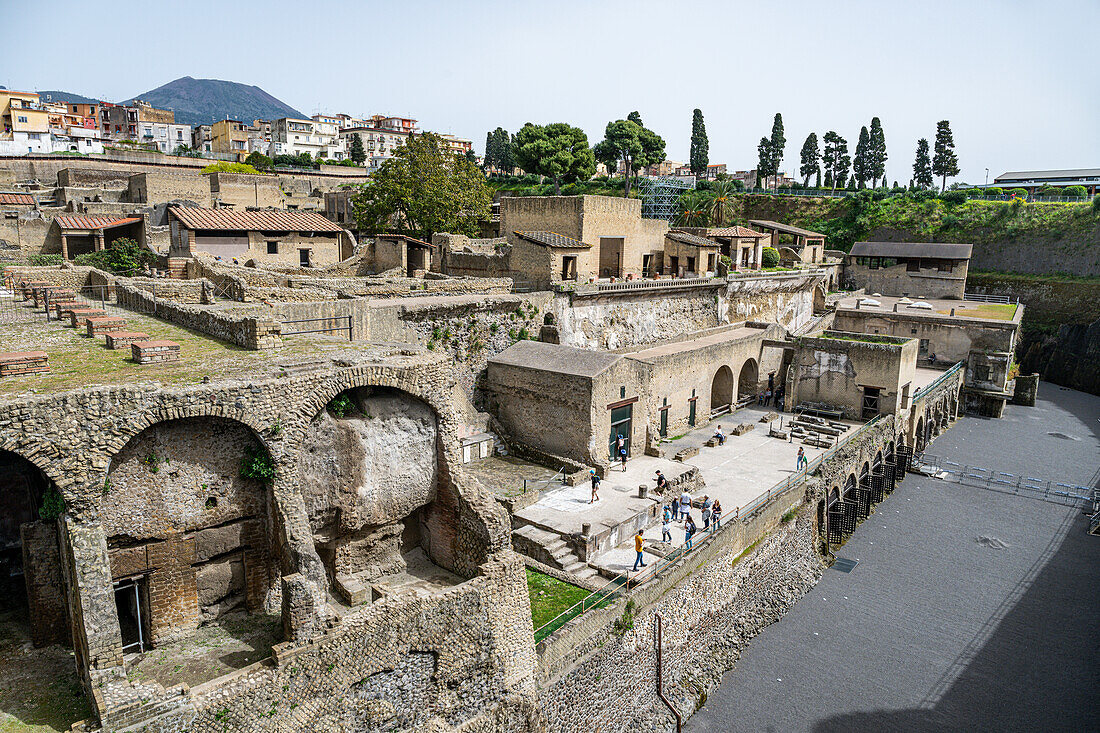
540	536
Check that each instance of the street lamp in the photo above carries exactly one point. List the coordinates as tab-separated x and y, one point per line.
987	176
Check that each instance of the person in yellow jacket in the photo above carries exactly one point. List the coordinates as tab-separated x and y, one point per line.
638	549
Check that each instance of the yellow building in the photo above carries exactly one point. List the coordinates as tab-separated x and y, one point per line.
229	136
22	112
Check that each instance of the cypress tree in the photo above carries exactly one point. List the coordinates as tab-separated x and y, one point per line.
776	146
490	157
817	179
810	158
877	152
700	146
860	162
922	166
944	162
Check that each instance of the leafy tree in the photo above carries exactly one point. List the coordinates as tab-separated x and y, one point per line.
944	161
861	163
693	209
506	158
811	157
835	160
557	150
1077	192
876	152
922	167
720	198
769	257
424	188
258	160
700	146
357	152
632	143
122	256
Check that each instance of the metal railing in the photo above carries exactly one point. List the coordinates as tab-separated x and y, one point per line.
600	598
937	381
999	299
843	192
324	329
1056	492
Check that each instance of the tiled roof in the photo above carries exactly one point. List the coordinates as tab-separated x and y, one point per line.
552	239
786	228
691	239
737	231
194	217
408	239
90	223
16	198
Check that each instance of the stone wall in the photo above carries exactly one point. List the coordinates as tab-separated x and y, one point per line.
242	190
898	280
155	187
331	671
251	329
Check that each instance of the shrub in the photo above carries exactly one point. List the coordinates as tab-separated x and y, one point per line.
53	505
340	405
122	256
45	260
1077	192
1021	192
258	160
953	197
770	257
976	192
1096	204
224	167
994	191
258	464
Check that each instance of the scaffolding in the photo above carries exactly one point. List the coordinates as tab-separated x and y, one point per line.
659	195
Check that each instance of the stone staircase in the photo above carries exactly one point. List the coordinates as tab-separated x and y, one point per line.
550	549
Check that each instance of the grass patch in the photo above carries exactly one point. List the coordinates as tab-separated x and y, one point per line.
744	553
550	596
992	311
791	514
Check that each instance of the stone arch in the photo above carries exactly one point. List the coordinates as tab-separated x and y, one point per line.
891	452
188	512
748	378
32	593
142	421
819	298
721	388
918	436
850	484
961	399
877	463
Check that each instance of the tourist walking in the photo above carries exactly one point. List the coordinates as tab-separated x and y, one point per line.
685	504
689	532
662	483
620	450
675	509
595	485
666	530
638	549
801	461
706	512
716	515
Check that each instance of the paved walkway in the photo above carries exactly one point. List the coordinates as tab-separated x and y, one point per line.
969	609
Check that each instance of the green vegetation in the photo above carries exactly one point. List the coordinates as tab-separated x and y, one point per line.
998	311
810	158
945	162
499	153
46	260
558	151
699	155
630	142
625	622
226	167
550	596
357	153
770	150
341	404
123	256
424	188
769	257
532	185
258	464
869	338
53	505
791	514
259	161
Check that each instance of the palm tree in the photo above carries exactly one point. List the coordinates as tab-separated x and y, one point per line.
693	209
721	201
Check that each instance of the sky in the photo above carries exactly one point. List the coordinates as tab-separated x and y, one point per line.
1017	80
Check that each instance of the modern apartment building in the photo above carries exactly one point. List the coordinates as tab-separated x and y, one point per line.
143	123
292	136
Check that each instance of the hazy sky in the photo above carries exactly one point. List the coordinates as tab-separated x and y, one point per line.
1017	80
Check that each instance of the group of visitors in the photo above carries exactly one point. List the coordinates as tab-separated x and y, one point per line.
772	395
679	510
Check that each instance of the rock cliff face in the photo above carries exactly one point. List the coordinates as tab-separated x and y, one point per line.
365	475
1071	358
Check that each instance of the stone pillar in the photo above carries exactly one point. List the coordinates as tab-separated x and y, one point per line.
758	254
64	247
98	240
97	638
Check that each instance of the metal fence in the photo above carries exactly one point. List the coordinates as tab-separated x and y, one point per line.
1057	492
329	327
843	192
1000	299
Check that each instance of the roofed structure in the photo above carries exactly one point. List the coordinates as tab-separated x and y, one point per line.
691	239
552	239
1031	180
17	199
555	358
776	226
92	223
194	217
739	232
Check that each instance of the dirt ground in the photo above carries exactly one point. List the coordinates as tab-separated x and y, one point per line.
39	688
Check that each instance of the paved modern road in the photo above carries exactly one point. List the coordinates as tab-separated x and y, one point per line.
970	609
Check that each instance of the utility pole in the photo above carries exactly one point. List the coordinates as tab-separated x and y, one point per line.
987	176
657	628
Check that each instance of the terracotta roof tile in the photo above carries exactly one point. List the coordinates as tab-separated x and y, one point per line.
692	239
786	228
553	239
16	198
194	217
90	223
737	231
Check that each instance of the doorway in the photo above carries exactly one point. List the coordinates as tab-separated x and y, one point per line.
621	422
569	267
664	419
611	256
303	258
132	606
721	390
870	402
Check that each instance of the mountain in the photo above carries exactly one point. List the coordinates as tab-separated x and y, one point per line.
203	101
57	96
